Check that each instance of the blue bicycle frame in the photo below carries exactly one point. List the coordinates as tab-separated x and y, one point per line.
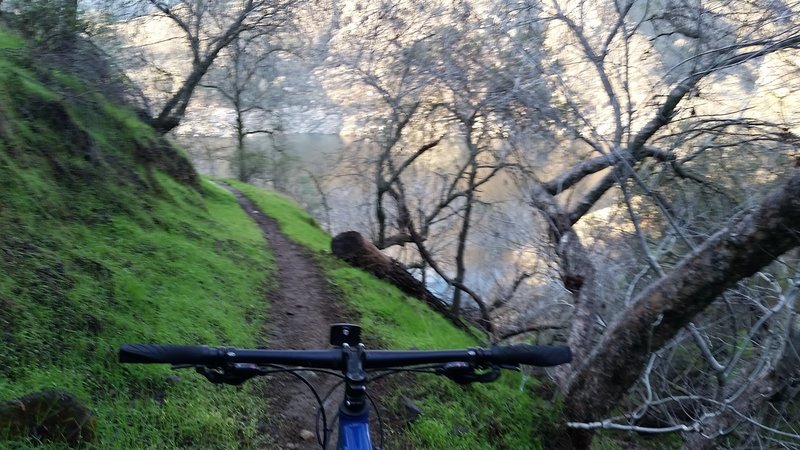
354	432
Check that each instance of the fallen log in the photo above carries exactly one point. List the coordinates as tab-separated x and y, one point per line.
352	248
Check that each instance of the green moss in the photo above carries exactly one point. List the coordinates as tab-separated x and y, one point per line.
21	83
141	132
399	320
79	291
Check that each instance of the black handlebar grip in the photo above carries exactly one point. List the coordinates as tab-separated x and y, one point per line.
170	354
532	355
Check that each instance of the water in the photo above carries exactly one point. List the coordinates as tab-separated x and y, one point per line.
319	170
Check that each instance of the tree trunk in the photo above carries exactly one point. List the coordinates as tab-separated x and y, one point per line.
172	113
351	247
578	275
241	160
658	313
461	268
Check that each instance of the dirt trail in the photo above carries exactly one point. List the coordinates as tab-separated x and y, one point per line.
300	313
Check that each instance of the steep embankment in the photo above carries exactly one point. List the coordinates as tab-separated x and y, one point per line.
107	236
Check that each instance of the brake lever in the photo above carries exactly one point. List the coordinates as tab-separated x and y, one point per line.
465	373
232	374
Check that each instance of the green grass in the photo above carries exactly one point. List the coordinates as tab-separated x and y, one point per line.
10	41
295	223
80	291
96	254
502	415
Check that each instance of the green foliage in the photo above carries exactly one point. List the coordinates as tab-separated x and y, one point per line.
504	414
10	41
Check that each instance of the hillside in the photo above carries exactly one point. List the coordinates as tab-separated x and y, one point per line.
107	236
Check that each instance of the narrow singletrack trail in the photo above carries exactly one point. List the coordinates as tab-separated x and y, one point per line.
301	309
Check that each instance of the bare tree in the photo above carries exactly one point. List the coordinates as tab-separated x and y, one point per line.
663	152
245	82
651	119
207	28
437	95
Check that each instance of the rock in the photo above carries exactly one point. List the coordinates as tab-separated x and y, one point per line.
94	324
307	435
51	415
411	411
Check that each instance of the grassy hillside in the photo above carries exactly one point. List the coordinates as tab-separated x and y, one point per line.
99	247
107	236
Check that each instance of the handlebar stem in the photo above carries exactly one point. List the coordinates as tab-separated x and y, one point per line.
355	392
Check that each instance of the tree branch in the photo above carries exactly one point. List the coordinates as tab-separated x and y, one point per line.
739	250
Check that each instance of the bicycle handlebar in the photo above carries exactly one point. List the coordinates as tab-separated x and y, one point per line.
169	354
534	355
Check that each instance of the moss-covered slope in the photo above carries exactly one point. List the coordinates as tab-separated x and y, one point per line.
107	236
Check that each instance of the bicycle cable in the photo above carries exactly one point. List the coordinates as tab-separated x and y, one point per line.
321	440
271	369
373	403
378	416
322	407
